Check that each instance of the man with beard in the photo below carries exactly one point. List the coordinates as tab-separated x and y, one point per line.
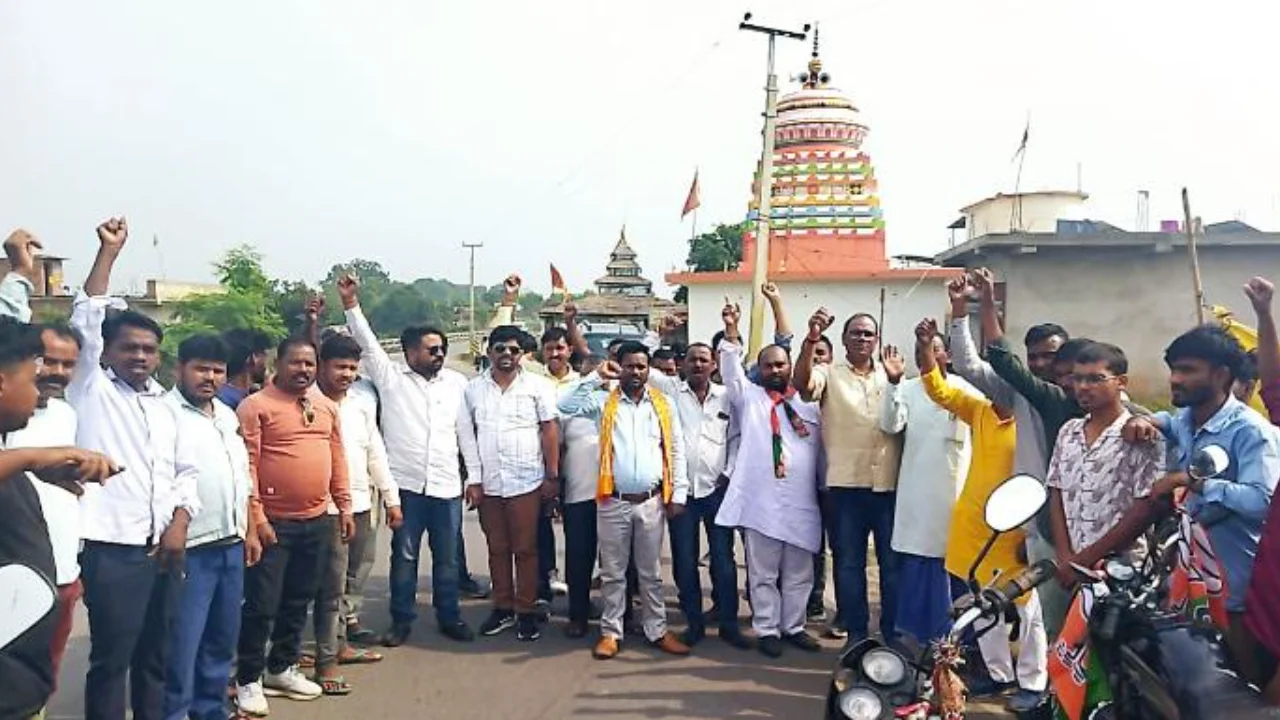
220	541
513	470
366	468
643	482
294	436
423	424
52	425
710	444
773	492
26	667
861	468
134	528
246	364
1203	363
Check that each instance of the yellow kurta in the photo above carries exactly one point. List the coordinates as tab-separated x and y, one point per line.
992	464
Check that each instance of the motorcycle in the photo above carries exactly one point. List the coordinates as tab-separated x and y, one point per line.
874	681
1159	663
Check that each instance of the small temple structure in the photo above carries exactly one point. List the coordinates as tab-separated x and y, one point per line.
623	295
826	227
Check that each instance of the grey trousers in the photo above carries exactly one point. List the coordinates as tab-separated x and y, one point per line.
781	577
362	550
627	531
331	631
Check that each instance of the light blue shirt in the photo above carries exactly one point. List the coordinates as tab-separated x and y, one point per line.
15	297
637	437
1232	506
223	482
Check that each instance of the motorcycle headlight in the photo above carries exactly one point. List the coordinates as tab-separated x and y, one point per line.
884	667
861	704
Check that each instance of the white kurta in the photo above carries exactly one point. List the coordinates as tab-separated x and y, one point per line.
785	509
935	460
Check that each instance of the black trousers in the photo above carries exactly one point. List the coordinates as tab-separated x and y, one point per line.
131	607
579	556
277	592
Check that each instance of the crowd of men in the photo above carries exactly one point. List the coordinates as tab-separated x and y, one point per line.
203	525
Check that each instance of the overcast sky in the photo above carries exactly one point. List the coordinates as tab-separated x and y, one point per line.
395	130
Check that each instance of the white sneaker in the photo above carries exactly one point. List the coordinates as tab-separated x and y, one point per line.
558	586
291	684
251	701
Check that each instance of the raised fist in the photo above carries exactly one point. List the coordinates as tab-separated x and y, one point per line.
113	233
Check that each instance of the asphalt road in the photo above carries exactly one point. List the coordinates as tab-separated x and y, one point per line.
432	677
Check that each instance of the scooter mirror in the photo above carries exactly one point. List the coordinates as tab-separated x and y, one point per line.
1209	462
26	598
1014	502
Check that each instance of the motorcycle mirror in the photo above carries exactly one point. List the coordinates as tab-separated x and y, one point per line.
27	597
1014	502
1209	462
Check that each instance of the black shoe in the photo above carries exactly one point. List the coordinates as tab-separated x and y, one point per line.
804	641
542	610
498	622
770	646
472	588
458	630
815	612
527	628
736	639
396	635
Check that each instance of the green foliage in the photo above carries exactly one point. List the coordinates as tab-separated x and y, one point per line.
718	250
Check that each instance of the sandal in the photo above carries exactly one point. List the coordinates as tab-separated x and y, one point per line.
307	660
359	656
333	686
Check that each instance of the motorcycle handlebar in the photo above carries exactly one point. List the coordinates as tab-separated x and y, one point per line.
1027	580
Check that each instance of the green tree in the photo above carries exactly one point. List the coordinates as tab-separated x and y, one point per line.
718	250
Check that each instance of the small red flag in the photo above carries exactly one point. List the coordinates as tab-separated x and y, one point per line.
692	202
557	282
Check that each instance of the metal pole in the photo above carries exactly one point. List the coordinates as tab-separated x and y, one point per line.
1195	257
471	289
764	196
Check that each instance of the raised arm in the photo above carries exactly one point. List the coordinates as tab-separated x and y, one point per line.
730	360
893	409
112	235
311	314
810	383
577	341
585	398
89	309
986	285
965	360
1260	292
960	403
506	314
18	283
781	328
377	363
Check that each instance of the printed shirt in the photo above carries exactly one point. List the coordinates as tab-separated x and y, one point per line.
1234	505
935	460
422	420
1099	482
504	452
859	453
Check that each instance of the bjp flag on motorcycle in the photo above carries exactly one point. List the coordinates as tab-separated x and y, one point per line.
1077	676
1198	584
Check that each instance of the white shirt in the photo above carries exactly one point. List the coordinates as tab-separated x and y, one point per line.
224	483
367	465
505	452
580	458
419	417
709	439
138	431
55	426
935	461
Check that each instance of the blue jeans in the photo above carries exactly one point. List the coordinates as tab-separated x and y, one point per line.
685	552
857	515
202	641
441	520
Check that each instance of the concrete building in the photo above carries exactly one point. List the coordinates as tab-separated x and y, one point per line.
827	231
623	297
1133	289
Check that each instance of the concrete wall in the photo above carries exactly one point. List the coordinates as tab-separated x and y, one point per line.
1040	213
1137	298
906	302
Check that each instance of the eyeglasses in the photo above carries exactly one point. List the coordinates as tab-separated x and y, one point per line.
308	412
506	349
436	350
1091	380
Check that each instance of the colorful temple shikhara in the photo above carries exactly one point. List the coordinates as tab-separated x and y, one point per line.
826	216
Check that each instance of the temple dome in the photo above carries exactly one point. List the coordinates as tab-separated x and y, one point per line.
818	112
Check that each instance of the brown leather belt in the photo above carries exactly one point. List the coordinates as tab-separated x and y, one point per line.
637	498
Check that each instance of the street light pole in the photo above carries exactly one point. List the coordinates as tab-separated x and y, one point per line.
471	288
764	190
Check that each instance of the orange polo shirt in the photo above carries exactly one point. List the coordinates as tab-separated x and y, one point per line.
297	467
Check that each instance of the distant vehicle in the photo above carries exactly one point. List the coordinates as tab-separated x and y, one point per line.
599	335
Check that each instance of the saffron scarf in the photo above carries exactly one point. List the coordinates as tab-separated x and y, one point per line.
604	486
775	425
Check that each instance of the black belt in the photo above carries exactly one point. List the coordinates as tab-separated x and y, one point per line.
637	498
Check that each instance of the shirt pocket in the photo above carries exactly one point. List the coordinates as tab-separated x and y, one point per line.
519	413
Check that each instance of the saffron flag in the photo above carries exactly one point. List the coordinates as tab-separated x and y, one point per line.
692	202
557	282
1248	339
